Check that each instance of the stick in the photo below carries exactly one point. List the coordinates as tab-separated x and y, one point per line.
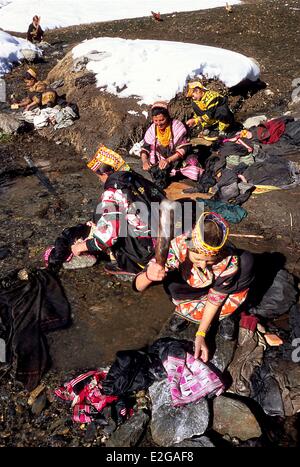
165	231
246	235
42	177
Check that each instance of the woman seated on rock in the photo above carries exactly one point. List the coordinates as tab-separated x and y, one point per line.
165	148
204	276
122	226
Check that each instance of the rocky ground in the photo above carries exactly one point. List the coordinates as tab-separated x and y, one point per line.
107	315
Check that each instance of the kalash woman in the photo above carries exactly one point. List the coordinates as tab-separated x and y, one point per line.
165	147
204	276
124	214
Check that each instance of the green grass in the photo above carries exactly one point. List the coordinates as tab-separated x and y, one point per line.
4	138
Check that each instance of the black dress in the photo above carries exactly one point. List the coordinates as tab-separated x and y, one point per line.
35	34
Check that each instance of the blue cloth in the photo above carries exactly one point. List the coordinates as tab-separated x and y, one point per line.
231	213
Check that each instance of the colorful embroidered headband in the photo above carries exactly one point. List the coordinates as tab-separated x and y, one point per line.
109	157
197	236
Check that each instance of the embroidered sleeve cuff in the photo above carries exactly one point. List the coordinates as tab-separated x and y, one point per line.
216	298
95	246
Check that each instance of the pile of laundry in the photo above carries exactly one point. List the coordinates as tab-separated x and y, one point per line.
265	366
58	116
252	158
168	359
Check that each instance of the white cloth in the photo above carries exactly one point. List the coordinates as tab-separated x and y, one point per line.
45	117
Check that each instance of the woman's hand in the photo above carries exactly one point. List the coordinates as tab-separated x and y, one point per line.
163	164
191	122
78	248
201	349
155	272
146	165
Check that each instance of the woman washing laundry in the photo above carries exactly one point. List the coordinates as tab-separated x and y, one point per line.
35	89
211	111
204	276
122	224
165	148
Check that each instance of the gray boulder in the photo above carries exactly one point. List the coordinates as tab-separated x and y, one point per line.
129	434
30	55
169	424
199	442
232	417
10	124
224	353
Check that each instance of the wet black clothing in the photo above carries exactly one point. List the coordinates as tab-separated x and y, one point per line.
63	243
29	309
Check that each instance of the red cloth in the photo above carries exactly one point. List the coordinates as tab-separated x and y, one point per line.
248	321
271	131
85	394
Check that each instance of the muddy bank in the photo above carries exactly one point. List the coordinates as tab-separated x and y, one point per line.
107	315
254	29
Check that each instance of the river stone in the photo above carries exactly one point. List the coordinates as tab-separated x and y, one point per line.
4	252
199	442
254	121
224	353
39	404
10	124
233	417
169	424
129	434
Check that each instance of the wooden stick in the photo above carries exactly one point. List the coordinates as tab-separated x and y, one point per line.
165	231
246	235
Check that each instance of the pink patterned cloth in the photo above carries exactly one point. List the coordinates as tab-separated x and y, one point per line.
191	380
190	168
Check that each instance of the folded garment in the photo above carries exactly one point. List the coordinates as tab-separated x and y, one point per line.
235	160
233	214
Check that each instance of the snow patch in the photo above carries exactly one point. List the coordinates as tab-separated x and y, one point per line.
11	51
133	112
153	70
